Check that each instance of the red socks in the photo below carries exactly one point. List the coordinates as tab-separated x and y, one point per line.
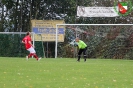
33	54
30	55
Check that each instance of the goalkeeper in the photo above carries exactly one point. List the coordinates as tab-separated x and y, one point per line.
82	48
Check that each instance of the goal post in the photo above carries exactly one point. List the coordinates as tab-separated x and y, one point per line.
107	33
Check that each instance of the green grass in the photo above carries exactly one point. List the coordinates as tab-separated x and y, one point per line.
65	73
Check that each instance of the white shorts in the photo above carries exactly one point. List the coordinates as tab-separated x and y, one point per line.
31	50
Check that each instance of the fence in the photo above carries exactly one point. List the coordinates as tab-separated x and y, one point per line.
11	45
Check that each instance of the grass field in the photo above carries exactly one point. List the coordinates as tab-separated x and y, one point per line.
65	73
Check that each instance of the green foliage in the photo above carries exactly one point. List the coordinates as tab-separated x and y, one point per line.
129	54
21	12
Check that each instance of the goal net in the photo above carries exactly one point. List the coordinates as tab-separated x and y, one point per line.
103	40
11	45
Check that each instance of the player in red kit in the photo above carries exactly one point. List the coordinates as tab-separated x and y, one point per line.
28	45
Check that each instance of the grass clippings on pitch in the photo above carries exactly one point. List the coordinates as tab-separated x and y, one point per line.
65	73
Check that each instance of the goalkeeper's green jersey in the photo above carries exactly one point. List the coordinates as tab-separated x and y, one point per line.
81	44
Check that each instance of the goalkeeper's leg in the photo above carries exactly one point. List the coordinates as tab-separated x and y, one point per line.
79	54
84	53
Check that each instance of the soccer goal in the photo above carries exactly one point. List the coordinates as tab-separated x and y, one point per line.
103	40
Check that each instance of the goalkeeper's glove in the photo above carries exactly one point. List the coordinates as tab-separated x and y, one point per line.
75	45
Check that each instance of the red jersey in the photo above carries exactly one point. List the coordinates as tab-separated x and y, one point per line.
26	40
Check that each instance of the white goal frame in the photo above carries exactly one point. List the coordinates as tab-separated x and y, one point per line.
56	41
